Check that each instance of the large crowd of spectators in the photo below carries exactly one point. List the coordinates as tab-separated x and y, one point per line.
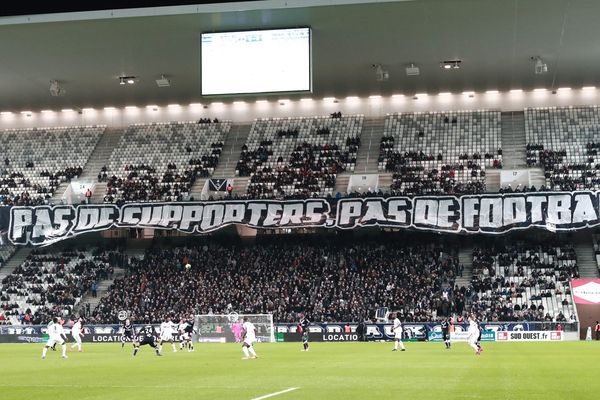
329	278
418	173
16	189
50	284
510	282
310	170
142	183
561	172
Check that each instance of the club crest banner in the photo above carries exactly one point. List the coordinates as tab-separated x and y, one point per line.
485	213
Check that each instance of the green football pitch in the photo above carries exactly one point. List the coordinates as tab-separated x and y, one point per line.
566	370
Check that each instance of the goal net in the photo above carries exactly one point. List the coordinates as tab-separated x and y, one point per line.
227	328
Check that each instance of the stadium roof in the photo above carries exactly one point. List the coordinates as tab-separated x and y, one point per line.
87	51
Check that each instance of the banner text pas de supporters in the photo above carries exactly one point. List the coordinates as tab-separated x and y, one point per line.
485	213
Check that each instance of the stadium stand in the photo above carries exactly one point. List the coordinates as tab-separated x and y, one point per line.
596	239
6	251
564	141
51	283
440	152
297	156
523	282
332	280
35	161
161	161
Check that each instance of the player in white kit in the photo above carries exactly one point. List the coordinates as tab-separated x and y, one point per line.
166	334
55	333
397	329
473	334
248	339
77	333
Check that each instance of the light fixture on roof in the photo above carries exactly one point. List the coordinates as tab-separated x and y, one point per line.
56	89
127	80
163	82
381	75
588	88
412	70
540	67
450	64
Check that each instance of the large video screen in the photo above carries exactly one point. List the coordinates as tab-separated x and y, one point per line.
265	61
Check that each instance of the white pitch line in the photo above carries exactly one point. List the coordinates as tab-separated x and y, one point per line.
266	396
8	385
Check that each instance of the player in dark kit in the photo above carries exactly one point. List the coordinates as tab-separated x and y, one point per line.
479	337
186	334
127	333
446	332
303	325
189	332
147	337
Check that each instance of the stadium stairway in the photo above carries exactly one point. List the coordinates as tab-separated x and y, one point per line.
101	154
196	190
341	182
536	177
492	180
232	148
102	288
385	181
17	259
240	185
513	140
99	192
586	258
465	257
367	156
59	192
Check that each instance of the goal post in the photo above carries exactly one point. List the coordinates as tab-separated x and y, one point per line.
227	328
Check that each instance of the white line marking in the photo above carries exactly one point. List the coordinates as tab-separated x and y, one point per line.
266	396
8	385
